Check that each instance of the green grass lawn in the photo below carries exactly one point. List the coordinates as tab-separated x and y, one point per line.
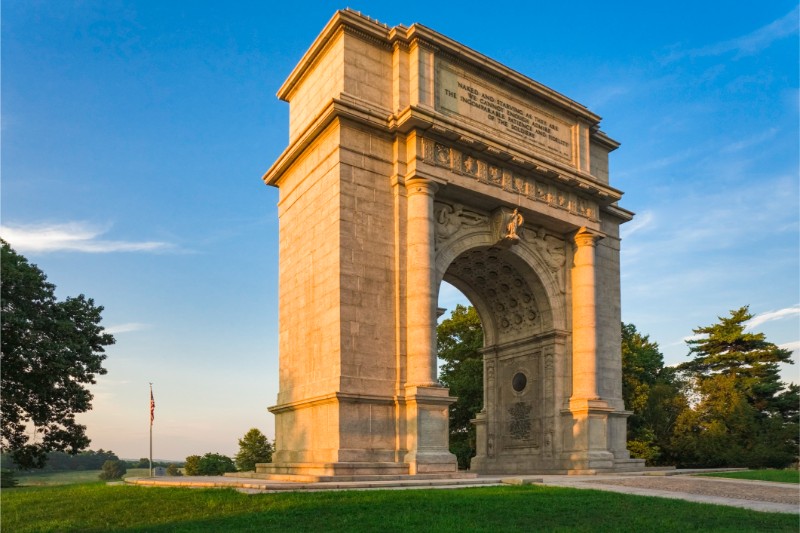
98	507
783	476
40	479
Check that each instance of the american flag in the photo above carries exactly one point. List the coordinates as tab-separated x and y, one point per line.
152	407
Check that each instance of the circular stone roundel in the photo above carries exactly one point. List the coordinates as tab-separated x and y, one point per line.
519	381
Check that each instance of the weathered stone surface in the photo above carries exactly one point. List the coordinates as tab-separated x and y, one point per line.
412	160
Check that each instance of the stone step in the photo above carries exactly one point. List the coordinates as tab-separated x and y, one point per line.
309	478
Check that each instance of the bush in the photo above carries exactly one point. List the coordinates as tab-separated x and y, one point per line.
214	464
173	470
113	469
211	464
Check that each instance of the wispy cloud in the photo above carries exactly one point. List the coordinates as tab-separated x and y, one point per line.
71	237
755	140
126	328
749	44
769	316
793	346
642	221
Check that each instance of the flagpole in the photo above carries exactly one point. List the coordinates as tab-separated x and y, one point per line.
152	406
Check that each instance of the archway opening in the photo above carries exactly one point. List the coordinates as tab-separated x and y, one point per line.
460	362
495	356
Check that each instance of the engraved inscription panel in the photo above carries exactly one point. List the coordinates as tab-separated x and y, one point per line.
458	92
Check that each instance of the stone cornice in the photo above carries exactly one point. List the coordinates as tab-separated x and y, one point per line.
362	25
604	140
621	213
417	34
458	134
336	108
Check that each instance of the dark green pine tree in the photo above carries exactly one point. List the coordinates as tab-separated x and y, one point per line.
746	416
460	339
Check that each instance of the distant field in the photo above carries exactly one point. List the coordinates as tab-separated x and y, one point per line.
100	507
44	479
782	476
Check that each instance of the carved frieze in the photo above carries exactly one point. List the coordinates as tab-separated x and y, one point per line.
552	250
441	155
452	217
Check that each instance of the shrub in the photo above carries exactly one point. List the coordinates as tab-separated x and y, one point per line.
8	479
113	469
173	470
214	464
211	464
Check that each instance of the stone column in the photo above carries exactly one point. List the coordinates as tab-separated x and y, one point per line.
426	402
420	282
584	318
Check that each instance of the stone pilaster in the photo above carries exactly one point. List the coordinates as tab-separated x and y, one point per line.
426	401
587	435
584	317
421	291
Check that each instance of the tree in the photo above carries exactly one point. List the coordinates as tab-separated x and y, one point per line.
143	462
192	466
654	394
113	469
745	415
173	470
254	448
460	339
215	464
50	350
211	464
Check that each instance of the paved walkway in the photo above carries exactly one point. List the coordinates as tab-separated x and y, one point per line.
756	495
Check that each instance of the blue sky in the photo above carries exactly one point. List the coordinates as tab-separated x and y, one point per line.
135	134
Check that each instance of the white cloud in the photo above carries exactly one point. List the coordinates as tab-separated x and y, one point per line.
749	44
769	316
126	328
641	221
793	346
71	237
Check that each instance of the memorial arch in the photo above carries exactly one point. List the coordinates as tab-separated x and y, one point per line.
412	160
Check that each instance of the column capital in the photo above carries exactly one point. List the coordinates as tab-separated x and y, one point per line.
419	185
586	237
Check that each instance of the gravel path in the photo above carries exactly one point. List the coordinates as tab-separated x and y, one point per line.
725	488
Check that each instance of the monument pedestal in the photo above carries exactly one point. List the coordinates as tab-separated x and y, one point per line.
427	431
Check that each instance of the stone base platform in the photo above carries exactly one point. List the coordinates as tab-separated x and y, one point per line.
345	471
256	485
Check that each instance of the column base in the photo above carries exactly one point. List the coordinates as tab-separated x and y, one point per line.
427	436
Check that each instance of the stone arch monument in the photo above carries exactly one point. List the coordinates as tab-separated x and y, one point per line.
413	159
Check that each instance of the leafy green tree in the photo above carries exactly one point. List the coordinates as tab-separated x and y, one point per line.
50	351
192	466
654	394
254	448
143	462
215	464
745	415
460	339
173	470
113	469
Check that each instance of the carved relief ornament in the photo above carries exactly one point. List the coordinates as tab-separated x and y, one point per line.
441	155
